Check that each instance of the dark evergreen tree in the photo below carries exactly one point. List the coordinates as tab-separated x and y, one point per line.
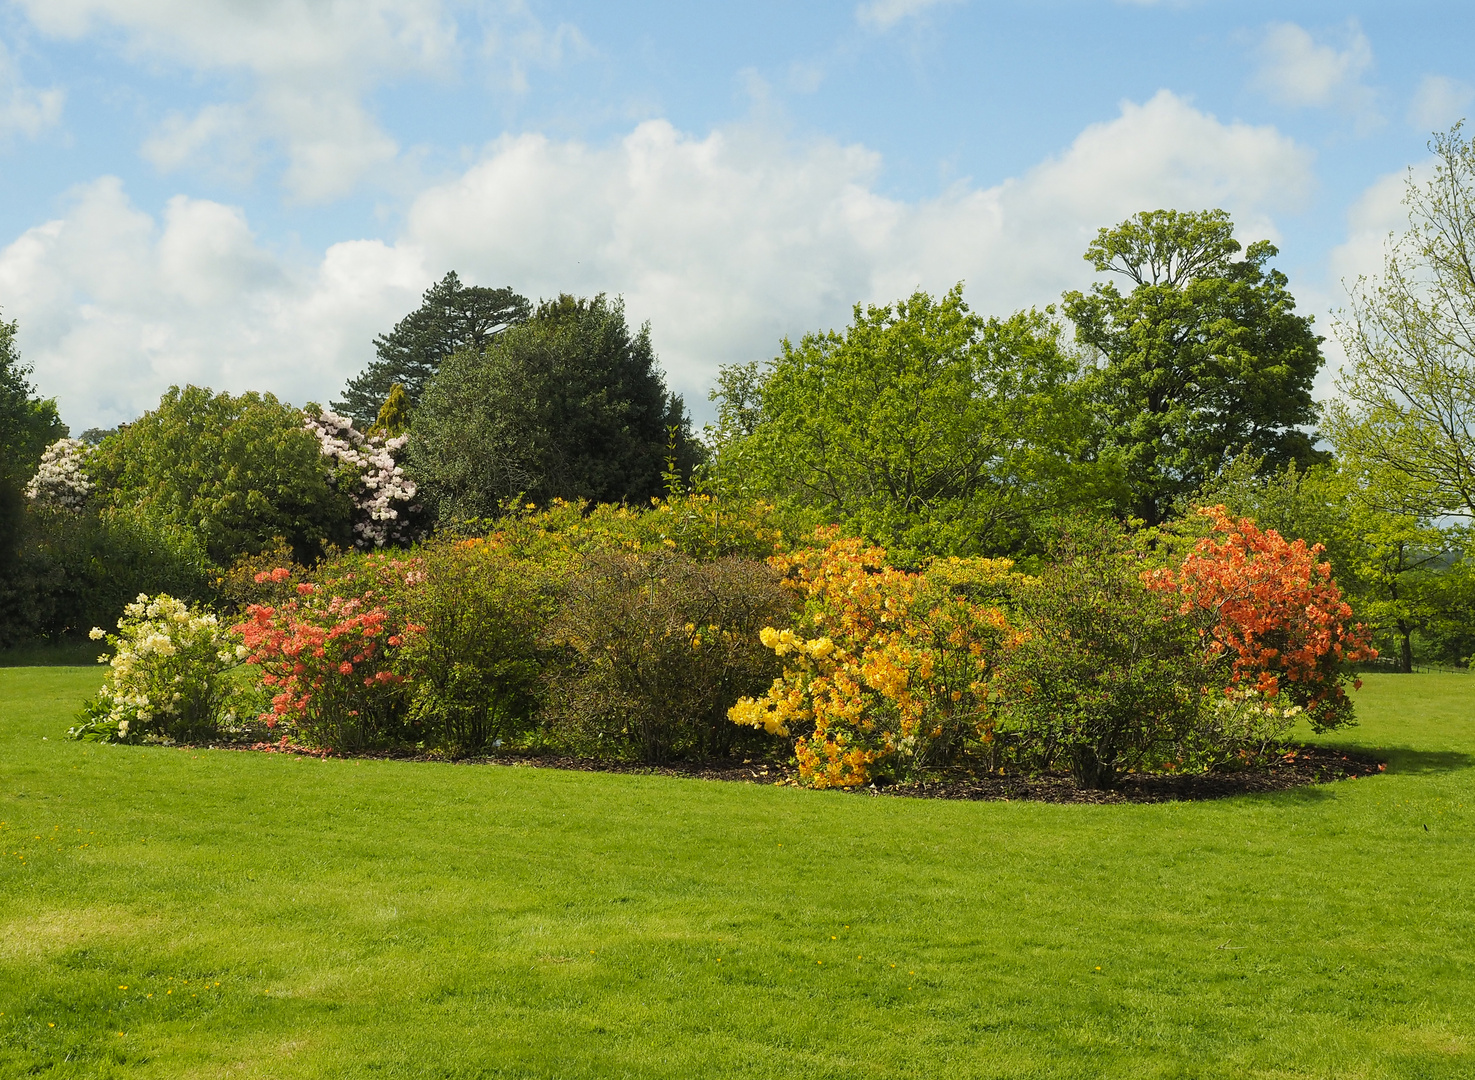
567	405
452	317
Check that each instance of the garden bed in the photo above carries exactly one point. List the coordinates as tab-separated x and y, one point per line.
1298	767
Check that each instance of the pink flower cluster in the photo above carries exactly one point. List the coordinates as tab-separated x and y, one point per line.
383	497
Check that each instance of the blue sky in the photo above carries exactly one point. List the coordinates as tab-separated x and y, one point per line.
241	194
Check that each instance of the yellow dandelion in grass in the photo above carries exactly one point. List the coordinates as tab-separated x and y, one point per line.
122	988
51	1025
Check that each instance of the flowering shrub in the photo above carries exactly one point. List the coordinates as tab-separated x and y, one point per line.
61	481
329	656
884	669
168	677
1268	610
365	466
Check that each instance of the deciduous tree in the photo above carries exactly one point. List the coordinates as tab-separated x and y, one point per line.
1202	359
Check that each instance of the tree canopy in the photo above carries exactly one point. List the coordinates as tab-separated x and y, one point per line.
1409	388
451	318
233	471
923	425
1204	358
569	404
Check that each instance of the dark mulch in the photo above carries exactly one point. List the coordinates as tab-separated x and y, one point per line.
1300	766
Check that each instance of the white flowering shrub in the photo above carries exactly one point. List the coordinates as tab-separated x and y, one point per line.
383	497
61	481
168	678
1246	724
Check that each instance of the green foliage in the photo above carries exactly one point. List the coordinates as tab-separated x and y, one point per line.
233	471
697	525
76	571
394	414
451	318
1408	391
923	426
28	424
661	646
476	661
568	405
1104	674
1203	359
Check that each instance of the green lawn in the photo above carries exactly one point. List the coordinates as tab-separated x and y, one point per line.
285	917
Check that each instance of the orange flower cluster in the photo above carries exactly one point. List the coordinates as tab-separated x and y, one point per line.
884	666
1270	609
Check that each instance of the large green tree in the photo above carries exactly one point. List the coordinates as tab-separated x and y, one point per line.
234	471
569	404
451	318
1408	390
928	428
1203	358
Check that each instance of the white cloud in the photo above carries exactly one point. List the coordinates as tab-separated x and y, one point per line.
1439	102
310	66
1297	70
725	243
884	14
24	110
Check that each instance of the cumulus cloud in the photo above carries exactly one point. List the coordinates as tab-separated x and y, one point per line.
310	65
310	68
1439	102
884	14
24	110
725	242
1297	70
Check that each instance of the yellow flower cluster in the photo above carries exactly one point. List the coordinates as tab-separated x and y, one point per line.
884	666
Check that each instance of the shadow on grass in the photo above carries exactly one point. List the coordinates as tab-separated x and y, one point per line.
70	653
1405	759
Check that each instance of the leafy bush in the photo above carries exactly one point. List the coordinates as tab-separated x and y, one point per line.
74	571
885	671
474	666
1103	672
697	525
168	677
61	481
660	645
329	654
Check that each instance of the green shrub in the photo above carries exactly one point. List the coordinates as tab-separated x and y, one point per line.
74	571
474	661
659	647
1104	673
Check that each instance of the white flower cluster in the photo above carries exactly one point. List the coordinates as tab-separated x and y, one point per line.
61	481
383	495
1244	717
167	675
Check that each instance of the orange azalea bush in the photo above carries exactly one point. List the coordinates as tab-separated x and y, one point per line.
1268	610
884	669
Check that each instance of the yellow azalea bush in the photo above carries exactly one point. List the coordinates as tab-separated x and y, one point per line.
168	676
885	670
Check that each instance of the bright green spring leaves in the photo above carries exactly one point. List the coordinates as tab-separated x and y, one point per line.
923	426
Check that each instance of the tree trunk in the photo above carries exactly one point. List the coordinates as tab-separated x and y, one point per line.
1089	770
1406	653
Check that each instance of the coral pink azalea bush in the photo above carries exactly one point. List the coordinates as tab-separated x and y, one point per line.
1268	610
329	655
